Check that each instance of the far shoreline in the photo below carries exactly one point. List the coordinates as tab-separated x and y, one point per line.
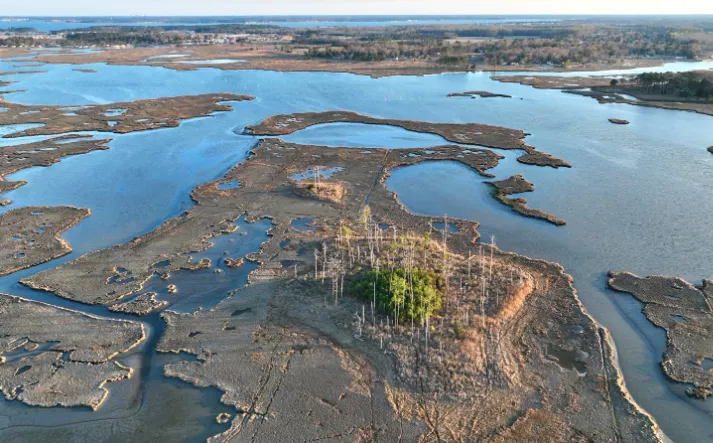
270	60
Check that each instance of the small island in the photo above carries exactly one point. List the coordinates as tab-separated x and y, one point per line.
466	133
517	185
481	94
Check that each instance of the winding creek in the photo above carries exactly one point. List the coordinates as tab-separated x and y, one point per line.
637	198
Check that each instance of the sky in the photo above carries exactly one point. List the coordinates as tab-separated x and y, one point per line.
347	7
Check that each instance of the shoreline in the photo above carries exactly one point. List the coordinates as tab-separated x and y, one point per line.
477	134
599	89
271	60
517	185
266	190
684	312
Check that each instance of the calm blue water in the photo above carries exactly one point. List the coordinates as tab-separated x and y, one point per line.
637	198
359	135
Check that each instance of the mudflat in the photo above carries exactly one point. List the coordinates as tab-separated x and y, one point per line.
119	118
684	312
509	352
466	133
31	235
58	357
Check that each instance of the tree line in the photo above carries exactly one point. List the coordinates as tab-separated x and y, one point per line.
683	84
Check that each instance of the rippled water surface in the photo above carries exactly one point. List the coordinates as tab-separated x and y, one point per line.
638	198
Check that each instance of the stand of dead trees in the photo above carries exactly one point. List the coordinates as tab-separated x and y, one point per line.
385	267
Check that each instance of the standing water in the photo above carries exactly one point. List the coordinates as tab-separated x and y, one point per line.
637	198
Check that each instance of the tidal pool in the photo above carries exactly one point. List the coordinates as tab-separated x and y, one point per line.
324	173
637	198
361	135
223	61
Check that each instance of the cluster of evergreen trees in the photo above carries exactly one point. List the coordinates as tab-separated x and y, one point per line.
684	84
410	294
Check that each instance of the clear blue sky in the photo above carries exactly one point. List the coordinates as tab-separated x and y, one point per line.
348	7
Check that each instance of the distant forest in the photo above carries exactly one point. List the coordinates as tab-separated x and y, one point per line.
560	45
684	85
510	46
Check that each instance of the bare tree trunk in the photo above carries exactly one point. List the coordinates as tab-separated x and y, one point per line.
318	179
316	262
492	249
374	293
324	260
445	256
469	257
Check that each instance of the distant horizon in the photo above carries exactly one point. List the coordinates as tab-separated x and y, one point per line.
673	14
244	8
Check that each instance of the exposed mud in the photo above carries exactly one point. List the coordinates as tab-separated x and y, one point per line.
43	153
144	304
554	82
120	118
466	133
481	94
684	311
6	73
299	361
56	357
31	235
